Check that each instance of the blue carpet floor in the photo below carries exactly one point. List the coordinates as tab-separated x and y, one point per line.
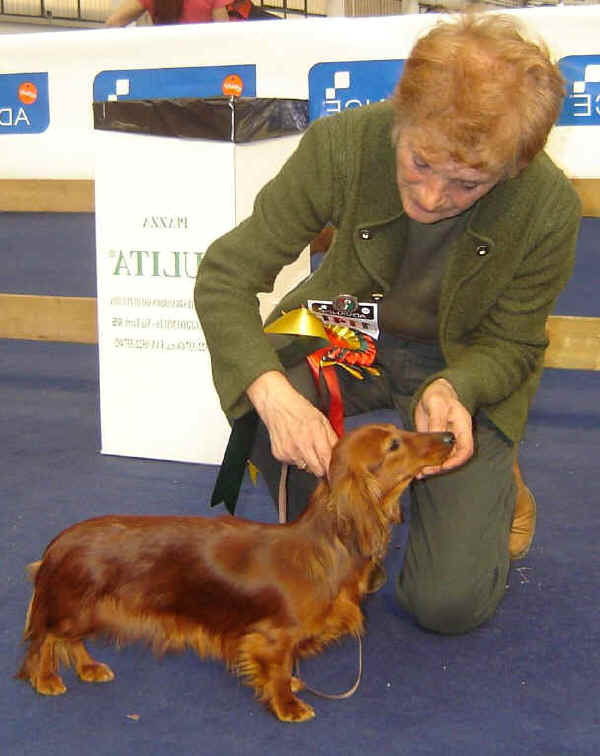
524	683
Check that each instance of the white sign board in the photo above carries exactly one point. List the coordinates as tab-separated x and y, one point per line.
160	202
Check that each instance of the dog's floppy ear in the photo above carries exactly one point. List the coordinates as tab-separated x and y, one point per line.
365	489
355	495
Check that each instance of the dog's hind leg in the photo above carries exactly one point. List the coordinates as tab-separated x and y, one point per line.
86	667
40	667
266	663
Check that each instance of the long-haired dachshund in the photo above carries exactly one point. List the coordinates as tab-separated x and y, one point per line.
256	595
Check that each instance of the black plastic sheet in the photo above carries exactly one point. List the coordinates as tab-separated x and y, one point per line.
225	119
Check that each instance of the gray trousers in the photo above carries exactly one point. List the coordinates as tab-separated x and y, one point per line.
456	564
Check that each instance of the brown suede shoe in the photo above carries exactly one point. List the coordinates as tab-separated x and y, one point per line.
522	529
377	578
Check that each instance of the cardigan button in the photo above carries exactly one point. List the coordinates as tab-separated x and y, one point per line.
482	250
365	233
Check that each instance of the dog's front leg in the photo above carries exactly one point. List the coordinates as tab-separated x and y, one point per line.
266	662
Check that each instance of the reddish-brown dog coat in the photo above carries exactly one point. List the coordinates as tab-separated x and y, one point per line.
255	595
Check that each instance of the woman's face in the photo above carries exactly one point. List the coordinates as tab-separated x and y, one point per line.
433	192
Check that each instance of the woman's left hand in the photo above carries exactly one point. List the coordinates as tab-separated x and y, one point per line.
439	409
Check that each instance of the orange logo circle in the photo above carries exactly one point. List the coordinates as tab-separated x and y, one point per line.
232	85
27	93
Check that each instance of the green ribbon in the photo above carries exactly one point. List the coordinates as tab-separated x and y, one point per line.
229	480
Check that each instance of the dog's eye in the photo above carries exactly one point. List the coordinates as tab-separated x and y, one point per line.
394	445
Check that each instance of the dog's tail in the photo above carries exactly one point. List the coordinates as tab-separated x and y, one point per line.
31	571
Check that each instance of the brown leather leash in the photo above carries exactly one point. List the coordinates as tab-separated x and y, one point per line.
282	507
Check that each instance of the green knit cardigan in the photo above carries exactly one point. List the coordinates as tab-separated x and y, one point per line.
502	276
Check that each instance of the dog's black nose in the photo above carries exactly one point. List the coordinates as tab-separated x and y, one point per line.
448	438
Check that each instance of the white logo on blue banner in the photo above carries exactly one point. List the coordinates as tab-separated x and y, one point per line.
334	87
24	105
582	103
160	83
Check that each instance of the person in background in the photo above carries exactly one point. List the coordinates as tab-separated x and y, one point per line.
448	214
246	10
169	11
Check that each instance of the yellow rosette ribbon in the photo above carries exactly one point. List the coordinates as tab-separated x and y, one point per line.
349	348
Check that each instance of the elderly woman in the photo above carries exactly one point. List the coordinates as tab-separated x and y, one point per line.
449	214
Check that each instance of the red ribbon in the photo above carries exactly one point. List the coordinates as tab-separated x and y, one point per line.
335	410
340	352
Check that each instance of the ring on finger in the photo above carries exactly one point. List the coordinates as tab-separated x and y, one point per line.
301	465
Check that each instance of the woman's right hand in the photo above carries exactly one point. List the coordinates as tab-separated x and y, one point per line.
300	434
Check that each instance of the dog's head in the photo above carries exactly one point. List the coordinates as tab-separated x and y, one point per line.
370	468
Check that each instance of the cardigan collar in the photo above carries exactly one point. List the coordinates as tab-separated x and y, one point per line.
383	225
490	219
384	206
490	228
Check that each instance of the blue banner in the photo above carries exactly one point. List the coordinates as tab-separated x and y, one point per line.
582	103
334	87
160	83
24	105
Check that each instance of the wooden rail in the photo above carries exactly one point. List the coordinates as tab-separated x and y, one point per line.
574	341
46	196
37	318
77	195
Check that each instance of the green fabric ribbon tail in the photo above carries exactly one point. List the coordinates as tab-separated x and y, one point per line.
229	480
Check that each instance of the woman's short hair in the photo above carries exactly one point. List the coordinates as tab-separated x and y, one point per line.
475	90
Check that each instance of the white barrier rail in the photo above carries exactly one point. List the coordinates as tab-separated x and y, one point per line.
52	136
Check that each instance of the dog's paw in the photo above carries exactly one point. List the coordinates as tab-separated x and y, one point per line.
293	709
96	672
50	685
